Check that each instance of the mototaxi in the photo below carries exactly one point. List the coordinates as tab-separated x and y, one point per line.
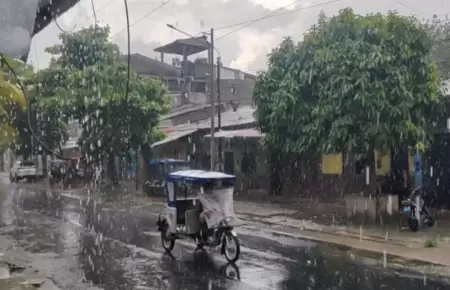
200	207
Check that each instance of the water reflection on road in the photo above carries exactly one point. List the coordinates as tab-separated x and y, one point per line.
85	245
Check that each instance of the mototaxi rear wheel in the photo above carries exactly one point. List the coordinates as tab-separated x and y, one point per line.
168	243
413	224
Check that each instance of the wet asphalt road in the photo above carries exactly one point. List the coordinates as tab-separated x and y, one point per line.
84	245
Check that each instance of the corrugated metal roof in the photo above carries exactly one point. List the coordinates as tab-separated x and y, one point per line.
244	133
172	136
242	116
184	109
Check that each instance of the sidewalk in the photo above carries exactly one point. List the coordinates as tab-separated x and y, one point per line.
15	270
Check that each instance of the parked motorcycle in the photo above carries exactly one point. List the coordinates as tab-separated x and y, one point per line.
418	208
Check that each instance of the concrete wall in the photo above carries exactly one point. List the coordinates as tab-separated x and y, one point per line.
230	90
237	91
371	209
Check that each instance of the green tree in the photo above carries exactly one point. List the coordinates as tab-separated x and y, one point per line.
353	84
92	87
12	101
44	115
440	34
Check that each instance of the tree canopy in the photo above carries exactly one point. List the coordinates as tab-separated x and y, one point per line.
353	83
12	102
90	82
439	31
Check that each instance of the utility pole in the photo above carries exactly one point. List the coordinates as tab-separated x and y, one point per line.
212	100
219	119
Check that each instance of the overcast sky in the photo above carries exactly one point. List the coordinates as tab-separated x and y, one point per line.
245	49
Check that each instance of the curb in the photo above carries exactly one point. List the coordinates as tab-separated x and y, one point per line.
329	232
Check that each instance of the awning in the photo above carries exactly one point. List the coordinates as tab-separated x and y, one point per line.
21	20
48	10
244	133
172	136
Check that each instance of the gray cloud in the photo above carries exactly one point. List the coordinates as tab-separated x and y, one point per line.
245	49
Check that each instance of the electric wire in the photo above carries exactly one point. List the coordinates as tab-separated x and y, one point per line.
142	18
247	23
64	30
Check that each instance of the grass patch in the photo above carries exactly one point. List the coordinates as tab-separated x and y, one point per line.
431	243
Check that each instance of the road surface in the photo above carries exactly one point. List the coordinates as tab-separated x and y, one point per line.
85	245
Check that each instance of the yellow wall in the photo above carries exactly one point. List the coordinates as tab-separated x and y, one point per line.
382	162
332	163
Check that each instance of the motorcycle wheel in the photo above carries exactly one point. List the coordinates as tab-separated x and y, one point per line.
168	244
228	240
199	243
430	221
413	224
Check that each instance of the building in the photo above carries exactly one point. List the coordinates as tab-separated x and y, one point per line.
188	81
187	141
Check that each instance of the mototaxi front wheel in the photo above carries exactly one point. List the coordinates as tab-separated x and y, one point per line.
167	242
231	247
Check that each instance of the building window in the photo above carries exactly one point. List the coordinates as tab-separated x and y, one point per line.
248	163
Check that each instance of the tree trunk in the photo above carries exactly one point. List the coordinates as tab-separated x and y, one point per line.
111	170
146	153
371	176
276	172
44	164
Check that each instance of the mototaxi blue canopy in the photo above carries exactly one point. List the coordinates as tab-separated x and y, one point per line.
200	176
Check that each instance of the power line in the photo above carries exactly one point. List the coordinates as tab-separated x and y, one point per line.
245	24
412	8
255	20
143	17
101	8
